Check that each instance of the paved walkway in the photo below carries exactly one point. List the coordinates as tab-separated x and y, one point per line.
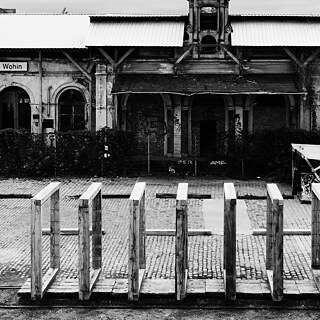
205	252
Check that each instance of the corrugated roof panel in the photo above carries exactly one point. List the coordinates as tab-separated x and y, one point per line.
43	31
136	33
276	33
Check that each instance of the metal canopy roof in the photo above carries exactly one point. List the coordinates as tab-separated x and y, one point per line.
307	151
43	31
276	32
136	33
201	84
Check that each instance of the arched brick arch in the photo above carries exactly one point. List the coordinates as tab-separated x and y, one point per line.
22	86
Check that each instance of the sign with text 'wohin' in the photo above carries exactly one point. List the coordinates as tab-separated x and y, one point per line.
11	66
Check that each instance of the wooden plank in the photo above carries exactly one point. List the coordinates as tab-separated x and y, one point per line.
270	279
274	192
138	191
55	230
269	239
315	227
47	192
97	232
230	209
94	277
91	192
48	279
36	250
67	231
181	246
83	251
286	232
133	254
277	235
142	233
172	232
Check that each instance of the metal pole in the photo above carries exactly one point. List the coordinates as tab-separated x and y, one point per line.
148	139
195	156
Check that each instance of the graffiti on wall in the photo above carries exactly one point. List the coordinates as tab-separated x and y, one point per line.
176	124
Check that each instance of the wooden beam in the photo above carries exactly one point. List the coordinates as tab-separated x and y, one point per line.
274	241
230	239
111	61
184	55
293	57
124	56
77	65
313	56
136	255
232	56
181	251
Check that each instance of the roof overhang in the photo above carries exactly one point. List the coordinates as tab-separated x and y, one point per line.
135	34
206	84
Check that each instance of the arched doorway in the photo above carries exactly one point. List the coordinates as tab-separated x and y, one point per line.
71	110
15	109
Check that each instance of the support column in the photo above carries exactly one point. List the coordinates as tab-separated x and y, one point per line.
111	107
101	95
177	126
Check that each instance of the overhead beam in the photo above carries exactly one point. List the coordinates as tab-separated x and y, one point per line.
112	62
232	56
312	57
293	57
125	56
184	55
77	65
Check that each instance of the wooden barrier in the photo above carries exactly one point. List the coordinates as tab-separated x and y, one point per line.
315	232
137	235
274	241
39	284
89	205
230	241
181	252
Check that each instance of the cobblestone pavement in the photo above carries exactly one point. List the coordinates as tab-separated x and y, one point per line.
205	252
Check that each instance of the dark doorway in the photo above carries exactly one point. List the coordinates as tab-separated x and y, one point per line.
71	111
208	130
15	109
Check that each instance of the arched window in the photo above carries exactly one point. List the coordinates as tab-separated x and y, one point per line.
15	110
71	111
208	44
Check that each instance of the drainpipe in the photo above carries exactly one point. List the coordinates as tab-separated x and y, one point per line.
49	101
40	91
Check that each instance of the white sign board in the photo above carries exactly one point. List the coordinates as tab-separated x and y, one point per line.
11	66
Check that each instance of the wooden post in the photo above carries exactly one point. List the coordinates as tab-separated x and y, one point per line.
40	283
315	226
274	250
89	204
36	250
181	264
230	241
136	254
55	230
97	232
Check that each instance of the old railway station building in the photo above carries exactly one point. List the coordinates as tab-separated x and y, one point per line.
180	79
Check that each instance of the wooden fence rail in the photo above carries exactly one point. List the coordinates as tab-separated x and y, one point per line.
39	283
89	205
274	241
181	252
137	235
230	241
